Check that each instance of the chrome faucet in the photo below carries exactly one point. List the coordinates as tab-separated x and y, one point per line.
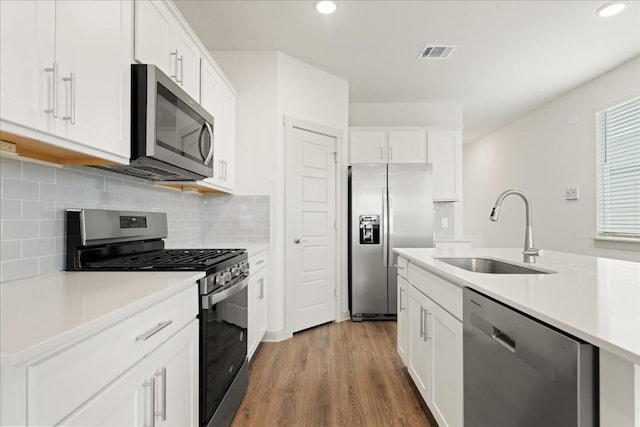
529	252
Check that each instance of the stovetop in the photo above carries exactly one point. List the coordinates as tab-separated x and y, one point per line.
172	259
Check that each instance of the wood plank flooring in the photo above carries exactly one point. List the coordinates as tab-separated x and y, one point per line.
338	374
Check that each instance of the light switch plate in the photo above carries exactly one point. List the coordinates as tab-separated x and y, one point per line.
444	222
571	193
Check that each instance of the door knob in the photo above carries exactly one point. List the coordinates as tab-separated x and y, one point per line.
297	240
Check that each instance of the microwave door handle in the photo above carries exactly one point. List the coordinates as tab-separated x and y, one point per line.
210	155
200	141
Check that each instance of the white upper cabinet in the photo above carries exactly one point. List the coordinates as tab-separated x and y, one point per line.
27	50
161	40
445	154
407	146
219	99
367	147
65	77
392	146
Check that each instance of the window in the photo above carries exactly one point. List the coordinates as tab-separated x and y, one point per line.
618	141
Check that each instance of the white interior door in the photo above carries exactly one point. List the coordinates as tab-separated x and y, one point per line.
310	247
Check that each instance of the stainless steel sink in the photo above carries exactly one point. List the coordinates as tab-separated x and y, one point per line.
489	266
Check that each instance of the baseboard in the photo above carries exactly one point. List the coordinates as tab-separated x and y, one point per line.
341	317
276	336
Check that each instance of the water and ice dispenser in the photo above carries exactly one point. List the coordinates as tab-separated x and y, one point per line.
369	229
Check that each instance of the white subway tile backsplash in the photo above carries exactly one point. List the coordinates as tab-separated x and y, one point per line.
18	229
68	177
38	210
18	189
11	209
37	247
34	199
11	249
17	269
10	168
38	172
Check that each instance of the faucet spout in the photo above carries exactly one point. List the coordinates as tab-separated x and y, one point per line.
529	251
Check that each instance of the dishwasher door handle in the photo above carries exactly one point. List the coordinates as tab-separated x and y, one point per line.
503	339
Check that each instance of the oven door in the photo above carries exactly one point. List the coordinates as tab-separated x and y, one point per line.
223	350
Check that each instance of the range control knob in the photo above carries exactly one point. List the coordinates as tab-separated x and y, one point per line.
219	280
235	271
227	276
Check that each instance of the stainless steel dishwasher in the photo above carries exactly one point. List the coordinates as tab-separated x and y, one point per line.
520	372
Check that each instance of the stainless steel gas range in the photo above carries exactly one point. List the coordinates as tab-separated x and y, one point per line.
102	240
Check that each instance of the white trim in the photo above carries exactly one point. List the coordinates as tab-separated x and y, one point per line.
621	243
276	336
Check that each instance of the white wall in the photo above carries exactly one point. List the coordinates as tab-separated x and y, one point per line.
271	85
542	154
405	114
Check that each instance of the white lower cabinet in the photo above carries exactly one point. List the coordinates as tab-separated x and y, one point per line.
435	349
257	301
403	331
119	375
160	390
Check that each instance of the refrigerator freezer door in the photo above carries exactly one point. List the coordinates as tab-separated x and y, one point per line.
410	215
368	272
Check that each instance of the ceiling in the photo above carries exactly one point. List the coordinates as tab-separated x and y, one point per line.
510	56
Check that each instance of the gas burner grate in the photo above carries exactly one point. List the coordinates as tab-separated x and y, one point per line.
168	259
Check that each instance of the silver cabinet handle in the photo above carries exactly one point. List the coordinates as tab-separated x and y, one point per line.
151	332
210	154
162	373
151	412
421	322
175	64
225	171
260	262
72	98
261	295
54	91
426	326
220	170
399	267
381	154
390	153
181	80
401	307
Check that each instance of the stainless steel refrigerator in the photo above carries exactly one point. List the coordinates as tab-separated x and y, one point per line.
390	206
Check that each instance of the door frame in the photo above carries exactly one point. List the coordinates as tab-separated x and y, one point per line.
340	292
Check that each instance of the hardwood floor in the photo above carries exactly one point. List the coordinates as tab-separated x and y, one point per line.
338	374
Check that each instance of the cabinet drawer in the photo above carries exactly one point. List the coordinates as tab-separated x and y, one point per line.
59	384
403	265
257	262
446	294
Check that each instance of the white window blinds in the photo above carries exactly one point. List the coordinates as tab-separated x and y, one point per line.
618	139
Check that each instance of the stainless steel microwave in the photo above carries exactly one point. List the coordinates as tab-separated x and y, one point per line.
171	133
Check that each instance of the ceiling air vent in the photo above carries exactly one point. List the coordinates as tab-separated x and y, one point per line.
436	52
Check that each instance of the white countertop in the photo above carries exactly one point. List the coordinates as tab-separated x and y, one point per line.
595	299
45	312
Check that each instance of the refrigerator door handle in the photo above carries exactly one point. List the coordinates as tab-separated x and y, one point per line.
385	231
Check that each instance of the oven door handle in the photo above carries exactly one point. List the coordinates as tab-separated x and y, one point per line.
209	301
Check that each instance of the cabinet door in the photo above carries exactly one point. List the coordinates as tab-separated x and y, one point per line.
228	117
26	49
188	72
94	51
445	369
174	368
445	154
153	36
368	147
407	146
402	319
257	311
119	404
418	346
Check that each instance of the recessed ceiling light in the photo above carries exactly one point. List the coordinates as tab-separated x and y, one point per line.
610	8
326	7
